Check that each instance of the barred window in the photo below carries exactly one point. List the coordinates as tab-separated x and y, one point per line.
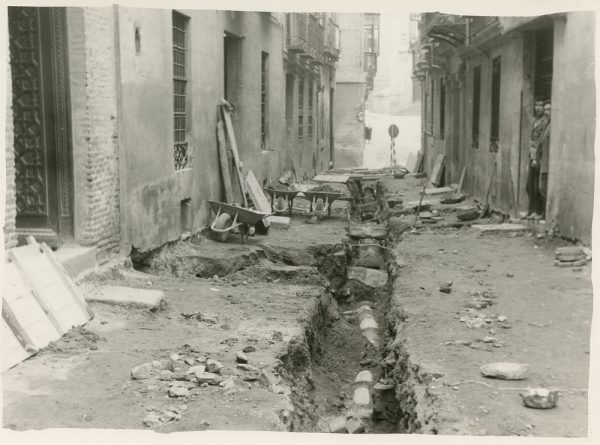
300	109
495	115
310	109
180	27
264	75
476	106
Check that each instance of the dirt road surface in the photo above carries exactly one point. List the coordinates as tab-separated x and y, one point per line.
272	298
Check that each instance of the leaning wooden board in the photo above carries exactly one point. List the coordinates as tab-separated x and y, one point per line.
40	302
438	168
234	150
258	196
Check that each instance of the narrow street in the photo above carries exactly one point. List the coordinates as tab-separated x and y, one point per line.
276	298
377	152
346	222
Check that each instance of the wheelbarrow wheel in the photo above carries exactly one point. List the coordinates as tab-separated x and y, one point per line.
319	205
223	221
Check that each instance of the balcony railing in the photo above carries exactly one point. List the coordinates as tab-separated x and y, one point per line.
306	36
332	39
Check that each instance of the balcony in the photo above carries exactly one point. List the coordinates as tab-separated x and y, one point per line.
447	28
306	37
332	40
483	29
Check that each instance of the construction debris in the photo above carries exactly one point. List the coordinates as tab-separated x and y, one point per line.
575	256
540	398
505	371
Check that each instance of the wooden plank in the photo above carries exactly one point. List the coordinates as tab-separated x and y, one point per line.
67	281
12	351
418	162
438	168
438	190
256	193
233	144
19	298
258	196
224	163
13	323
462	179
332	178
16	256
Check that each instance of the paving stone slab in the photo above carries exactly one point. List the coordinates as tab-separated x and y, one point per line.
128	296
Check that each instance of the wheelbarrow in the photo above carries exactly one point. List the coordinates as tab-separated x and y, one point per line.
230	217
282	200
320	201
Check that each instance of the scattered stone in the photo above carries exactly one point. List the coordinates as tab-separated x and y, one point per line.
209	378
510	275
446	287
151	388
338	425
240	357
141	372
167	416
151	420
501	318
175	357
355	426
369	277
190	361
246	367
195	369
213	366
277	336
540	398
505	370
249	349
272	381
165	374
489	339
128	296
178	391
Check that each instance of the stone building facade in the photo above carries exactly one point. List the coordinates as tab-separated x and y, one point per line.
359	44
480	77
114	112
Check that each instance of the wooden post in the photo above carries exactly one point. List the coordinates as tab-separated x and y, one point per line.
222	143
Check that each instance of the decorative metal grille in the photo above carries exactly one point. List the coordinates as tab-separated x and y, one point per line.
300	108
180	24
30	155
310	109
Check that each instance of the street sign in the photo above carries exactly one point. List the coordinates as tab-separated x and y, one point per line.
393	131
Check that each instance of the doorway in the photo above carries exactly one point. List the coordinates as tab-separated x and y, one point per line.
42	145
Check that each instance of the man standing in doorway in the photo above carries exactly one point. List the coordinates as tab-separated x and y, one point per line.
544	154
533	179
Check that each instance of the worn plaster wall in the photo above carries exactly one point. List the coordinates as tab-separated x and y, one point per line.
350	92
571	175
93	91
153	188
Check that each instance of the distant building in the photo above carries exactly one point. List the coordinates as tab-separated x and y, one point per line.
359	42
480	76
111	125
393	92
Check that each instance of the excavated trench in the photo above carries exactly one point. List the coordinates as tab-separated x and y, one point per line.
348	372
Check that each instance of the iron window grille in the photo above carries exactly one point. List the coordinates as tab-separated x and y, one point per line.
476	106
442	108
310	109
181	153
300	109
495	115
264	99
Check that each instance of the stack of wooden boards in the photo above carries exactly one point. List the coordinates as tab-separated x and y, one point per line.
40	302
574	256
246	185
